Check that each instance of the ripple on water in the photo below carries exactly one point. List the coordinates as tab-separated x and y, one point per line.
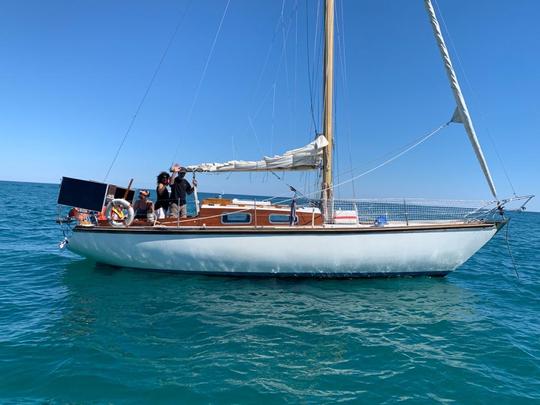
75	332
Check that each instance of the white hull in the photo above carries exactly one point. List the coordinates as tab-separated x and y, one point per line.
300	253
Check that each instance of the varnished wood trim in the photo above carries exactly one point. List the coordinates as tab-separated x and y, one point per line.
290	230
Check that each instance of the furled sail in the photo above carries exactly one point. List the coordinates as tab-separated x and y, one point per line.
461	114
305	158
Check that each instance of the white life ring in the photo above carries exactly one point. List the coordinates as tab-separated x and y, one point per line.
119	213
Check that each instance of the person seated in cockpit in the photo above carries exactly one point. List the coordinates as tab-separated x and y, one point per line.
143	207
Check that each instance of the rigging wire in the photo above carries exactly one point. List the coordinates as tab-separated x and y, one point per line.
280	24
308	64
386	155
336	142
285	34
318	51
148	87
277	70
293	189
295	76
203	75
342	54
255	134
285	29
285	25
394	157
338	177
273	120
272	89
507	238
475	97
291	81
269	52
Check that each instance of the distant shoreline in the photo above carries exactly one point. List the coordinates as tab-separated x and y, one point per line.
28	182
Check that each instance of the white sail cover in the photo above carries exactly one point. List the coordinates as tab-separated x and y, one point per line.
305	158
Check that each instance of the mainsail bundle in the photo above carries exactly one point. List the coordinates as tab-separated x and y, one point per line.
308	157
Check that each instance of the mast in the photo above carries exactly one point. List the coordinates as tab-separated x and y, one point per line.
461	114
328	99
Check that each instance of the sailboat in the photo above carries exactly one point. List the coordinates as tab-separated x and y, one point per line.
308	237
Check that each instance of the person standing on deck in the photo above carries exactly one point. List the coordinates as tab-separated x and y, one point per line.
180	188
163	197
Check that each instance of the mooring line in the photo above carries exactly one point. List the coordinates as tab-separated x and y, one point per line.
507	238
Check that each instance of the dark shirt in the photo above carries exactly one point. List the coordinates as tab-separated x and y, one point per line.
163	198
179	190
141	208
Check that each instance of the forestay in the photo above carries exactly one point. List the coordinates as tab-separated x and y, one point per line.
305	158
461	114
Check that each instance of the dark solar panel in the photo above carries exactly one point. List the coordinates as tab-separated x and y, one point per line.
82	193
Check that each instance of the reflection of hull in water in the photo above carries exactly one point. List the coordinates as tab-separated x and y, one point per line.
332	252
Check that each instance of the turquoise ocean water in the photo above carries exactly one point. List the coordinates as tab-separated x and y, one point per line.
71	332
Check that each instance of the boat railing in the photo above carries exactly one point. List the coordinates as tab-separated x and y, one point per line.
407	211
362	212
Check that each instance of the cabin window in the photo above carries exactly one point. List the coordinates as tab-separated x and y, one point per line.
236	218
279	218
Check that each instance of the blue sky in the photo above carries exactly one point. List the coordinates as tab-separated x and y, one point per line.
73	73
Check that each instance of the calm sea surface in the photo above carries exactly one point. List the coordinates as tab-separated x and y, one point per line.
73	332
